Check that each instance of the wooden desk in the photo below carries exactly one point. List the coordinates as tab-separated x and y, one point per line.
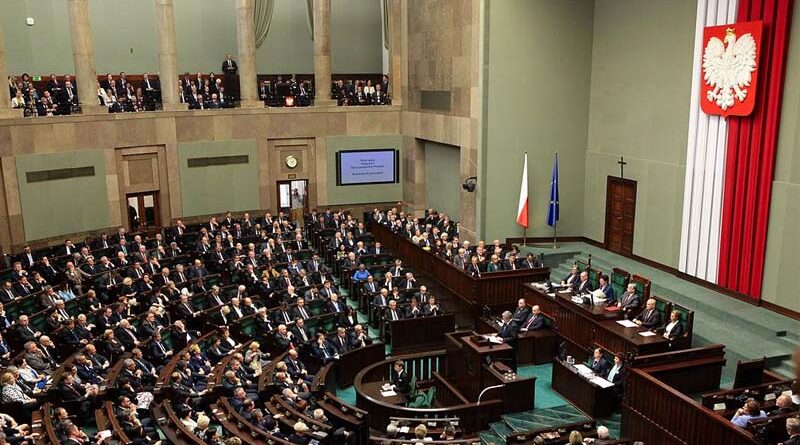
533	347
581	325
491	289
373	389
410	333
590	398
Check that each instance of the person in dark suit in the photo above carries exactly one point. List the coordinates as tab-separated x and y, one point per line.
531	262
324	350
508	329
400	378
630	301
584	286
650	317
572	279
300	435
598	363
522	312
793	428
229	65
608	290
674	327
359	338
534	322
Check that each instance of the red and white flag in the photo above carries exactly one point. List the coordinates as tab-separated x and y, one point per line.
522	209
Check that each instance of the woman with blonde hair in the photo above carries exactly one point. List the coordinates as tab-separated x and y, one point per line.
420	431
575	438
253	357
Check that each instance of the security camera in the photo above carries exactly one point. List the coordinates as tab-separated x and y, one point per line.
470	184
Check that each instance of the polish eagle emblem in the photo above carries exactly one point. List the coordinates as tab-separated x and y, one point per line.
730	66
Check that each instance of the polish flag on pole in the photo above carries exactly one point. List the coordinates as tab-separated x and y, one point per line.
522	209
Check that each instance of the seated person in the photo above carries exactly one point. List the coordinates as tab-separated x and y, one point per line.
432	307
608	290
323	350
750	411
572	279
359	338
629	301
783	405
674	328
793	429
650	317
522	312
616	374
584	286
535	320
598	363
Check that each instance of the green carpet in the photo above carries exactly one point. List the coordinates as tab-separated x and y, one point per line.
747	331
545	397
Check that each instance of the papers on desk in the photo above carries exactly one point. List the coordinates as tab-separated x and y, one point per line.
647	333
720	407
494	339
389	393
628	323
583	369
577	299
601	382
551	294
404	430
105	434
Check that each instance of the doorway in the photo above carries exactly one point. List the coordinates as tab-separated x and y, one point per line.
620	215
143	211
293	198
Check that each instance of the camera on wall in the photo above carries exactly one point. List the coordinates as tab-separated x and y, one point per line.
470	184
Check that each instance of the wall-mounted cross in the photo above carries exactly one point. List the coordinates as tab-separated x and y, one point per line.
622	165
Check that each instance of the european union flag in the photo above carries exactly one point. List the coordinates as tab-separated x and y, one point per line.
552	208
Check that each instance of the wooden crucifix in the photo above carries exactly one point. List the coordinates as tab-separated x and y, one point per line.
622	165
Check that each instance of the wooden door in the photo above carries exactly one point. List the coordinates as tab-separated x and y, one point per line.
143	211
620	215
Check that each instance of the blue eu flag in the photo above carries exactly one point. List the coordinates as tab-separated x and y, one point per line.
552	208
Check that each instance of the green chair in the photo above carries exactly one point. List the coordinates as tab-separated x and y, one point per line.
430	398
619	283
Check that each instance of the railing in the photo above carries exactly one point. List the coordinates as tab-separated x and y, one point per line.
658	414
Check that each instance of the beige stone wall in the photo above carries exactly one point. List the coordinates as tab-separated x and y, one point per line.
442	41
294	131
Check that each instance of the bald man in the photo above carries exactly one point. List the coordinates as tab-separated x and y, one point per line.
650	317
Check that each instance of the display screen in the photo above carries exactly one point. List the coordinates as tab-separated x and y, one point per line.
358	167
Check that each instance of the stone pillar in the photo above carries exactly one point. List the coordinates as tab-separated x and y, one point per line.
167	55
83	56
5	102
246	34
322	54
396	29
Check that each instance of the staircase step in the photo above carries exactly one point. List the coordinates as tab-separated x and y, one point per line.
489	438
500	428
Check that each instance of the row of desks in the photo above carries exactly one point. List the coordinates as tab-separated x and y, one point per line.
580	326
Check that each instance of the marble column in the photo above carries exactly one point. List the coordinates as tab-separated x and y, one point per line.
83	56
167	55
322	54
246	34
5	102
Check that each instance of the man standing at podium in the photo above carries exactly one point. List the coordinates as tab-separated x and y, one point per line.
508	333
401	381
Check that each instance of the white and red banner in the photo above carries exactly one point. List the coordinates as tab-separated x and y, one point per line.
522	208
740	56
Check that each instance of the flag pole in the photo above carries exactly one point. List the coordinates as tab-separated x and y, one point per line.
555	221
